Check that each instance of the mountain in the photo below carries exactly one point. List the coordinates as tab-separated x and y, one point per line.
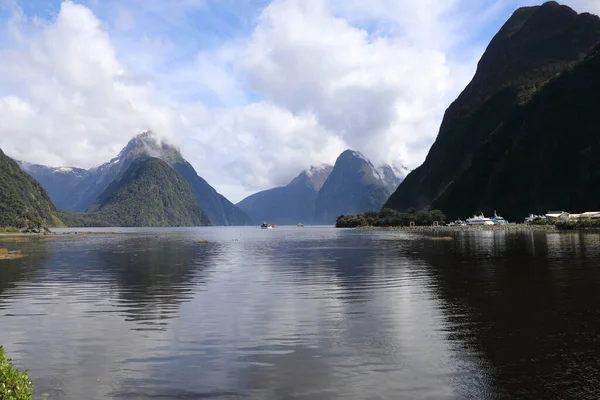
544	157
59	182
289	204
22	198
149	193
76	190
499	116
220	211
353	187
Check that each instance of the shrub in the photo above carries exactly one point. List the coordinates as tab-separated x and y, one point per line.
578	223
14	384
388	217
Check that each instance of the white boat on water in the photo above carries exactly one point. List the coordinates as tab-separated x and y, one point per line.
479	220
498	220
458	222
264	225
533	217
300	225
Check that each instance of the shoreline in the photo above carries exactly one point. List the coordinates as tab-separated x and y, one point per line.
471	228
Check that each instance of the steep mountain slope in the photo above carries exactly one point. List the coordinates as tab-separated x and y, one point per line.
59	182
353	187
220	210
290	204
22	199
544	157
532	47
149	193
76	190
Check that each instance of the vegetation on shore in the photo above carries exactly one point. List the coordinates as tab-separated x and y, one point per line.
14	384
567	224
391	218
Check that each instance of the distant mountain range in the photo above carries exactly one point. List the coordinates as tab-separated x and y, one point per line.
78	190
523	136
354	186
320	194
289	204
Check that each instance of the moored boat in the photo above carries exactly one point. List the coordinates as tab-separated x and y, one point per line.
498	220
479	220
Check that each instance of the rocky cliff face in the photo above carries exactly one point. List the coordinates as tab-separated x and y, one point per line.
534	46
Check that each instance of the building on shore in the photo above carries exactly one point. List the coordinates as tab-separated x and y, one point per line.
557	215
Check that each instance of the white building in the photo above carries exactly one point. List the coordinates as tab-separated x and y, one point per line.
557	215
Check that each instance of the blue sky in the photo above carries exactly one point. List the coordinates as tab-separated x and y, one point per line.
253	91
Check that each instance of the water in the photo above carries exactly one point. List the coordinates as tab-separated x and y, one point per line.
305	313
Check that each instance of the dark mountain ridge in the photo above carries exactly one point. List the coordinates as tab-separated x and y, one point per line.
533	47
544	157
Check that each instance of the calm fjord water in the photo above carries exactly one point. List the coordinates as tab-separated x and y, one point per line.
305	313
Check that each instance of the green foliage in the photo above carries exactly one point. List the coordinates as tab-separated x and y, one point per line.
388	217
577	223
83	220
23	201
542	221
568	224
14	384
150	193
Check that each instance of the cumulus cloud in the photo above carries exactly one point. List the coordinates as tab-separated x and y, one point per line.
65	98
299	81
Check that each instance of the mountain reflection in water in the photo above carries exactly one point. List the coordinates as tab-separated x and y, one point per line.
312	313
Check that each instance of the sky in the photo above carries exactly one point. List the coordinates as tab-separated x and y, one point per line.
251	91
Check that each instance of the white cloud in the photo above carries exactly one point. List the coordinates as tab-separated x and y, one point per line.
81	104
249	111
380	94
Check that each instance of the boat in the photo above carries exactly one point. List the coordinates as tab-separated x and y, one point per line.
498	220
533	217
458	222
300	225
264	225
479	220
